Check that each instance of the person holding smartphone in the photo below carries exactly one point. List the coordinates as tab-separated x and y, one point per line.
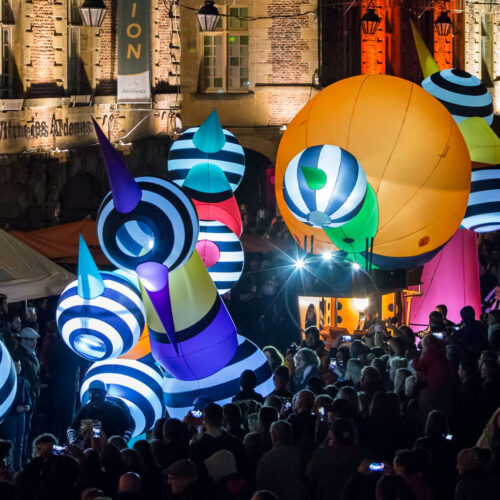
109	416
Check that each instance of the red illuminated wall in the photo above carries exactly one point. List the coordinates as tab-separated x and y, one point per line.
443	45
373	47
391	49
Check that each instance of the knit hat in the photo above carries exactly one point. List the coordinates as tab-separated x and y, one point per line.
98	384
29	333
220	465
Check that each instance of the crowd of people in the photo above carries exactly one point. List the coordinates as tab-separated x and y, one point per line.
391	414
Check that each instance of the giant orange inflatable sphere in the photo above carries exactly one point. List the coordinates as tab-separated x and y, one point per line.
412	152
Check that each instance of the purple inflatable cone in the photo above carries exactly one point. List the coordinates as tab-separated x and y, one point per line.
126	192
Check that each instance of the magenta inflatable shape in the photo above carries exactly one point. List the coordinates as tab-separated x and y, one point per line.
450	278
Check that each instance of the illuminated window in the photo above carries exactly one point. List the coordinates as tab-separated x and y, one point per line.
6	87
74	62
225	65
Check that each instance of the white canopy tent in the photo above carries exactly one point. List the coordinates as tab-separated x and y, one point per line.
25	274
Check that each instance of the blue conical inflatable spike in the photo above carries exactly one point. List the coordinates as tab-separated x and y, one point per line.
90	282
126	192
210	137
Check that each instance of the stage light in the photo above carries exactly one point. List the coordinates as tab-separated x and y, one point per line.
356	266
327	256
299	264
360	304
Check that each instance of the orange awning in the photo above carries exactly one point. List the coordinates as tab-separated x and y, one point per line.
60	243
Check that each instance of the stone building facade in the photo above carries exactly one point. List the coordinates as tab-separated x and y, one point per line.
265	60
57	73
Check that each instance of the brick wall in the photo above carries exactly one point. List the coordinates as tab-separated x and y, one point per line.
161	43
42	52
287	43
285	103
108	52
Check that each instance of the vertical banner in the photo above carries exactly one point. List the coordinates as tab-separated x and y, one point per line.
134	83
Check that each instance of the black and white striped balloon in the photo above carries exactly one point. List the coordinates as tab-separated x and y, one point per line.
8	381
163	227
106	326
223	385
222	254
483	207
462	94
138	385
184	155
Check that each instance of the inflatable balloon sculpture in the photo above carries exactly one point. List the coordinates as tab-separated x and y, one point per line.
8	381
471	105
221	386
352	166
209	163
138	385
100	315
161	311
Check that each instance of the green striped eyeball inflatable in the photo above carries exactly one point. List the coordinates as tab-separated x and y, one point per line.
324	186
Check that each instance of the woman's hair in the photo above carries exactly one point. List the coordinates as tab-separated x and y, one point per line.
253	422
365	399
275	355
322	401
410	384
273	401
400	380
380	365
349	394
437	424
309	356
396	363
353	371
